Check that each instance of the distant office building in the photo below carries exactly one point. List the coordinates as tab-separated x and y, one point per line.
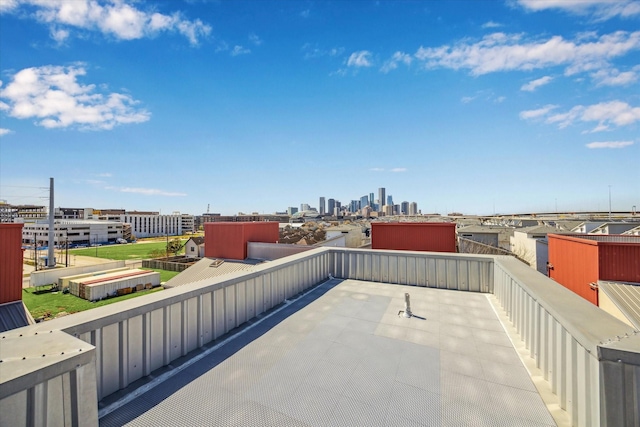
354	206
291	210
404	208
390	200
387	210
413	208
304	207
382	196
364	201
331	206
322	206
372	200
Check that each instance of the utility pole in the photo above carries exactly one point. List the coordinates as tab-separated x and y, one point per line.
609	202
51	257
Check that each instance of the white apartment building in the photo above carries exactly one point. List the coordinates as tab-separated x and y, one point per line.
76	232
150	224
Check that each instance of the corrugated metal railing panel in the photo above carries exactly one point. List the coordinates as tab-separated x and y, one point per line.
566	357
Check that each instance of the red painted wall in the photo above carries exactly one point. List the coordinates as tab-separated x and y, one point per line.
229	239
619	261
575	264
10	262
414	236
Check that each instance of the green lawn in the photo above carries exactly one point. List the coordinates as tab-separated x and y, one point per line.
164	274
48	304
124	252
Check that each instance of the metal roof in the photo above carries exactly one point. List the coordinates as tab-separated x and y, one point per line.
343	354
14	315
626	297
208	268
537	229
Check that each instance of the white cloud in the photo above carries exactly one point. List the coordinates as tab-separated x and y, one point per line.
491	24
540	112
535	84
305	13
613	77
599	9
399	170
311	52
255	39
360	59
397	58
116	18
105	175
377	169
54	97
502	52
467	99
239	50
606	114
149	191
4	131
609	144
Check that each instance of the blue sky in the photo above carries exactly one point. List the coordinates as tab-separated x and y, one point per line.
470	106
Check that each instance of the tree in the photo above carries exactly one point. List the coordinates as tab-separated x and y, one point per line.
175	246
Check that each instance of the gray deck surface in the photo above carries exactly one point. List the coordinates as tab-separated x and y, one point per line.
341	356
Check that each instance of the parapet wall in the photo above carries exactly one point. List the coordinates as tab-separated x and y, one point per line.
133	338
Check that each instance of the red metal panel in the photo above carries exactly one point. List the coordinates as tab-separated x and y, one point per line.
229	239
414	236
575	264
620	261
10	262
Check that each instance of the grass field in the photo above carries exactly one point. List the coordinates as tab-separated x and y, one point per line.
49	304
124	252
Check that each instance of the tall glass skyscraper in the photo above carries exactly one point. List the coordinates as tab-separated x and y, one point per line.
322	206
382	197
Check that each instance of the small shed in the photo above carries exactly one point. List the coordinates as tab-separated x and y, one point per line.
194	248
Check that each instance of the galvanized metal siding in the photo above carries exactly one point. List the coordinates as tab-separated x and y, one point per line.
417	269
135	346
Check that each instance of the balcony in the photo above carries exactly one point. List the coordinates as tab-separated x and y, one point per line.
491	341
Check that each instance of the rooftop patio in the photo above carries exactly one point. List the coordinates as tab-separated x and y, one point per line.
271	346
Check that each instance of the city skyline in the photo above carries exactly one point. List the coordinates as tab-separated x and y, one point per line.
477	107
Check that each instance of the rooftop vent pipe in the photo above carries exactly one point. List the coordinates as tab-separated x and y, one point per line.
407	306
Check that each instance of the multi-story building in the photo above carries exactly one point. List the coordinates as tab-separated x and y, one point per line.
291	210
304	207
322	206
21	213
413	208
73	231
73	213
404	208
152	224
364	201
381	197
188	223
330	206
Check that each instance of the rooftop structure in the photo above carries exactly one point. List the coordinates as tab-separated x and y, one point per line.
340	352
